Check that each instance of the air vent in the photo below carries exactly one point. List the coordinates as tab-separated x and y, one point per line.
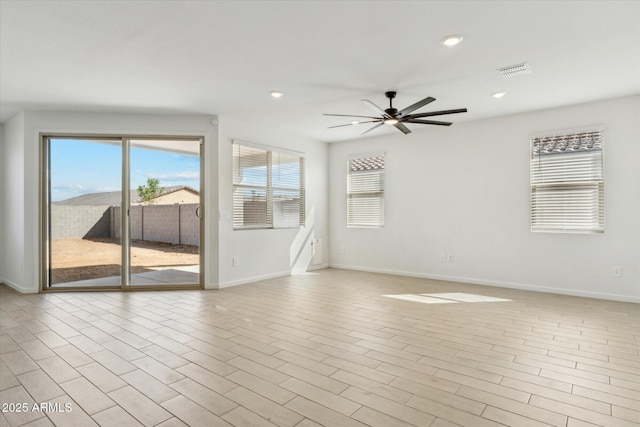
515	70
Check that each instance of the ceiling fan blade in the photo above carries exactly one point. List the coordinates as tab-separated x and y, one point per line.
402	128
352	124
415	106
351	115
428	122
370	129
435	113
375	108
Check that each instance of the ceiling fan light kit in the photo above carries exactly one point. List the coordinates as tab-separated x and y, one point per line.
397	118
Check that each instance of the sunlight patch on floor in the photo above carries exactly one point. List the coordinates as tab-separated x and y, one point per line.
446	298
462	297
420	298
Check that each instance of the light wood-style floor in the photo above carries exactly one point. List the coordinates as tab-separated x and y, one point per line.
329	348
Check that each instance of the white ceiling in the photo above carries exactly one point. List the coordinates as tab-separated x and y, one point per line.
224	57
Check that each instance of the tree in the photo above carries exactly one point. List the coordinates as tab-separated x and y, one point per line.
148	193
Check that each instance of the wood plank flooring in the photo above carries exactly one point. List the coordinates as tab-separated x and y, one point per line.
331	348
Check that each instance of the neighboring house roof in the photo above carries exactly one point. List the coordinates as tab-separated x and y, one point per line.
114	198
109	198
167	190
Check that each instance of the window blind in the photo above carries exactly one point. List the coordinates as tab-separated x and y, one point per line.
365	192
567	183
268	188
288	184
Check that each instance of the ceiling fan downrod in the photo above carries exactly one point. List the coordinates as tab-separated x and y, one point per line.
391	111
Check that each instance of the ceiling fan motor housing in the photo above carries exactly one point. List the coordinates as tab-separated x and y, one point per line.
391	111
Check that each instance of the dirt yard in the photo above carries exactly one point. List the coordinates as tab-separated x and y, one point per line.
80	259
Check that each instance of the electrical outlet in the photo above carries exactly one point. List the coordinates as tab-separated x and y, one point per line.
236	261
616	271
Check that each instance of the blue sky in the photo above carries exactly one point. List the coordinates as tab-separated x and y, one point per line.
83	167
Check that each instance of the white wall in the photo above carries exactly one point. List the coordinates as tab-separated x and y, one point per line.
2	203
270	253
13	223
22	179
464	191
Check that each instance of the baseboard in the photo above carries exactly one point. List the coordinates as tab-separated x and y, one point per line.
268	276
253	279
17	287
475	281
317	267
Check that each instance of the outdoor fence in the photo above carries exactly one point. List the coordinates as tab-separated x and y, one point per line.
176	224
78	222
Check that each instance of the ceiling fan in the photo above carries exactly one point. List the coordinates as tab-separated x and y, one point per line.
391	116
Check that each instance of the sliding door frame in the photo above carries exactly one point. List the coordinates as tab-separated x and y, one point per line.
125	244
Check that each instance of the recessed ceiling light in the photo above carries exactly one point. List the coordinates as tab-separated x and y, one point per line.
450	41
276	94
498	94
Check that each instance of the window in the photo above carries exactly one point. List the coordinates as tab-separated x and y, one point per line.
268	188
567	183
365	191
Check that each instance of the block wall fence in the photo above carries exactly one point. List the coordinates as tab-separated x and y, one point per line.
175	224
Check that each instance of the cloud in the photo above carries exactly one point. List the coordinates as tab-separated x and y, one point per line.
83	189
72	188
176	176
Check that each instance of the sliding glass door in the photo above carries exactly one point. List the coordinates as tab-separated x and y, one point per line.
164	216
121	212
84	186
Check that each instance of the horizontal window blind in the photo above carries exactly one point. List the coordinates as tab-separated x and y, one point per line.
288	184
365	192
268	188
567	183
